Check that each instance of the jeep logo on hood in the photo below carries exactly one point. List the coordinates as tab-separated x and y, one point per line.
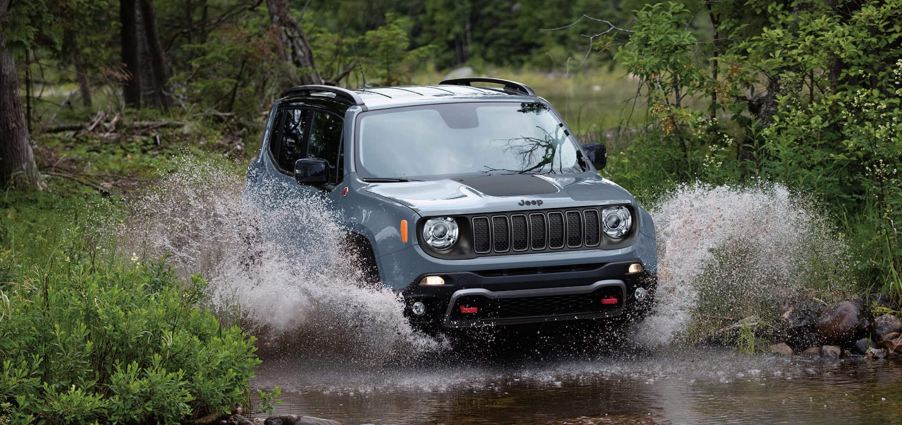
527	202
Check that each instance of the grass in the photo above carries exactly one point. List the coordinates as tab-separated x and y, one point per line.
87	334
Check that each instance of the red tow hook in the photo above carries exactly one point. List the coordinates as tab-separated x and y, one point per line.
465	309
609	301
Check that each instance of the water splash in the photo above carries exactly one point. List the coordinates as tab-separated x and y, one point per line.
727	253
279	268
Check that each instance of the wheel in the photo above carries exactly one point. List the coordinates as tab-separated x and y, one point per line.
360	250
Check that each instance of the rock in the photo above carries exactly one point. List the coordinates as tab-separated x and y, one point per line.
799	321
781	348
812	351
886	324
281	420
298	420
236	419
841	323
462	72
862	345
892	345
310	420
831	352
876	353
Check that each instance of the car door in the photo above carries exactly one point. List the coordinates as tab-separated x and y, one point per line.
305	131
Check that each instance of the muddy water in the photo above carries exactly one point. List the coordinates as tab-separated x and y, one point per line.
685	386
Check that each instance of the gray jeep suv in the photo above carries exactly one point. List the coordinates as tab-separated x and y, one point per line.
470	198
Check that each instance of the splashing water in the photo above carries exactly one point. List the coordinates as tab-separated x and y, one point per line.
280	268
746	249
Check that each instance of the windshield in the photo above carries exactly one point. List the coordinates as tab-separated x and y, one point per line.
437	141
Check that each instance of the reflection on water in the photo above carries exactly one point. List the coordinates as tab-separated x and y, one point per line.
686	386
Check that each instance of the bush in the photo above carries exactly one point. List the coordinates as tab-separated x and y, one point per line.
88	336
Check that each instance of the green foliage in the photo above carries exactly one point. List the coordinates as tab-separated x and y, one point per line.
811	94
661	52
87	336
236	70
388	50
45	22
266	400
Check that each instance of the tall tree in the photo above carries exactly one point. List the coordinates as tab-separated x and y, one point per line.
142	56
293	45
128	17
152	50
17	165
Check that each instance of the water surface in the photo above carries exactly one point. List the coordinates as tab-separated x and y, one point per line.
666	386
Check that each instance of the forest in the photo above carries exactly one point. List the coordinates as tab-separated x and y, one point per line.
99	99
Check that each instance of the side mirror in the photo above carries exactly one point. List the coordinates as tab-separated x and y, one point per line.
311	171
597	153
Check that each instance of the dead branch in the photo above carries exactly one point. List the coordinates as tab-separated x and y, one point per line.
77	179
112	125
592	37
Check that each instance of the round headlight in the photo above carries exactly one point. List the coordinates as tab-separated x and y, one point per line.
440	232
616	221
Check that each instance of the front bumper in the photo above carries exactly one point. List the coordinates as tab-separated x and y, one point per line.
530	295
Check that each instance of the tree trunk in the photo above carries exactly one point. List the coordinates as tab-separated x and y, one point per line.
73	51
29	92
17	165
189	21
715	26
128	16
83	87
154	50
293	46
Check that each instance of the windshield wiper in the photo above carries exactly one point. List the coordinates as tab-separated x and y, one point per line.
387	180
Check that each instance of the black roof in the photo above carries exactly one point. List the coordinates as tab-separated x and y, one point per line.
477	88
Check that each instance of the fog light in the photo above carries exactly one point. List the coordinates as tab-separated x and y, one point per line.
432	281
636	268
609	301
418	308
465	309
640	294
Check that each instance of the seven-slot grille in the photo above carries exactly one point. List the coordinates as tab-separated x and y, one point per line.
536	231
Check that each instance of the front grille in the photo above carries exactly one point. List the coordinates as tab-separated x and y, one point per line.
537	232
500	234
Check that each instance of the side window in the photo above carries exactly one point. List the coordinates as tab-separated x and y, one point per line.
287	142
325	141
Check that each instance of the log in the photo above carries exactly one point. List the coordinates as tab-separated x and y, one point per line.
137	125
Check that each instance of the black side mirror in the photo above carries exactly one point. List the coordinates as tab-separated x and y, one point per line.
311	171
597	153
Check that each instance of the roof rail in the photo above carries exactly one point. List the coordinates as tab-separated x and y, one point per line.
340	93
509	86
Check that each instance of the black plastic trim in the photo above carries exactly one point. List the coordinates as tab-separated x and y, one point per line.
509	86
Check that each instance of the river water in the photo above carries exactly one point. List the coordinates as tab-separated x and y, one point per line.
662	386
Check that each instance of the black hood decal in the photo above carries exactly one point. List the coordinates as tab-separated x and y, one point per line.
509	185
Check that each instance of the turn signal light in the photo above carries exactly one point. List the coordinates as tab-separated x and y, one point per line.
404	231
635	268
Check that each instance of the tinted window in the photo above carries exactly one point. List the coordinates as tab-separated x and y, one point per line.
325	140
287	143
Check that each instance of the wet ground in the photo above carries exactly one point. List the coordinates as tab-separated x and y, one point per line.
661	386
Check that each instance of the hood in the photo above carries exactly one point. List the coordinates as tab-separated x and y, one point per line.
480	194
